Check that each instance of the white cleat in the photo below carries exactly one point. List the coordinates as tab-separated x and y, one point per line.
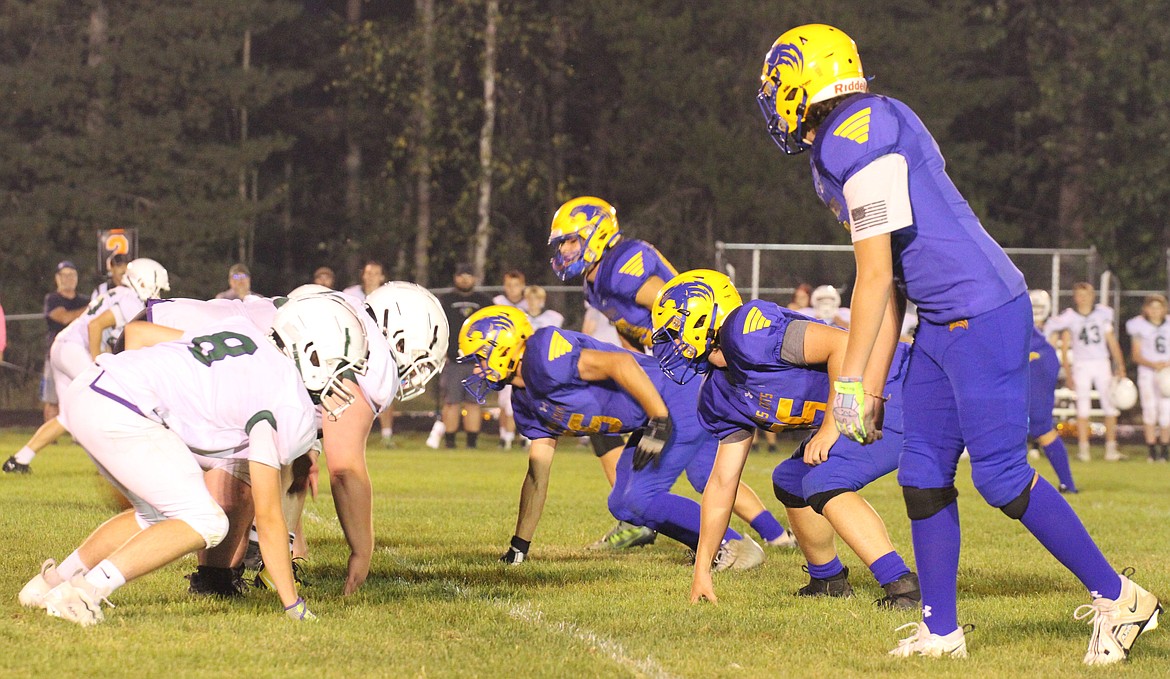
786	540
72	600
739	555
1118	623
33	593
436	435
922	642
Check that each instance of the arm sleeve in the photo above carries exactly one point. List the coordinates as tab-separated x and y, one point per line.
792	349
878	197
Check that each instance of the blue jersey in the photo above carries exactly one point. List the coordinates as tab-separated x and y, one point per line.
952	269
623	270
555	400
759	389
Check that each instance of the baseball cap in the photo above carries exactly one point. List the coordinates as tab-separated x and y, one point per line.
66	264
464	268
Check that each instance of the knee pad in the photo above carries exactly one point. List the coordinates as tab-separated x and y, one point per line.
1016	508
818	500
603	443
787	499
210	523
923	503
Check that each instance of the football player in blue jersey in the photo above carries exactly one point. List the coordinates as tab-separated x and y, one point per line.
1043	373
567	383
773	369
877	168
622	276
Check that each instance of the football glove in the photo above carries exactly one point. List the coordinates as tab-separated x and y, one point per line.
517	552
300	611
655	436
856	413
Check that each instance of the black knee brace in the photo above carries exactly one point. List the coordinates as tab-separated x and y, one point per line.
923	503
603	443
1016	508
788	499
818	500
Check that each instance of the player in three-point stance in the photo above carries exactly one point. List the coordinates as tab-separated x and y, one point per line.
567	383
875	165
769	367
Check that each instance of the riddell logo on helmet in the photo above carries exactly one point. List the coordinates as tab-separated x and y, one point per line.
849	86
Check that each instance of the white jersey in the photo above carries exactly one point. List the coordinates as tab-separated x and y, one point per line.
122	301
1088	332
504	301
547	319
1154	340
603	329
356	291
211	387
193	314
381	382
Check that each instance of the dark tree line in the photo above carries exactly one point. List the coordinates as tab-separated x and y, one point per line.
293	134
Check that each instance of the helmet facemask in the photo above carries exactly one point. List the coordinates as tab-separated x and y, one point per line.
679	358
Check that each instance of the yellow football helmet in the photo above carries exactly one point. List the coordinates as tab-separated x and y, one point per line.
806	65
592	223
493	339
687	315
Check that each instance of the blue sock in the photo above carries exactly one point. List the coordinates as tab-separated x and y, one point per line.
826	570
1057	527
1058	457
767	526
888	568
936	550
678	518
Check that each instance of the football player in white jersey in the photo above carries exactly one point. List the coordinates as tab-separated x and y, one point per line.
1150	335
144	416
78	345
1087	329
826	306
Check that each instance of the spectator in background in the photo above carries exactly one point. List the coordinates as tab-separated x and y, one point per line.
373	275
115	270
513	295
61	307
535	297
239	283
458	304
802	299
324	276
597	326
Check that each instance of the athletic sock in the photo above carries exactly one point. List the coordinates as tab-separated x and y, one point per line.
888	568
105	578
1165	451
1153	451
825	571
936	550
25	455
1057	456
72	565
472	439
507	438
678	518
387	432
1054	523
1083	451
449	440
767	526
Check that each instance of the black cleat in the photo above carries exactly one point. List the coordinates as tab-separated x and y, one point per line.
11	466
222	582
837	586
902	594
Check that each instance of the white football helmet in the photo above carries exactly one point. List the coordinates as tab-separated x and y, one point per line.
1124	393
416	328
327	341
826	302
147	278
309	289
1041	305
1162	379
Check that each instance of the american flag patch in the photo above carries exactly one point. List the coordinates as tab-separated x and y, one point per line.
866	216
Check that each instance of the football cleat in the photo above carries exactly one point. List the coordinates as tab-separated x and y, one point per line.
11	466
835	586
221	582
75	601
786	540
264	581
922	642
1118	623
739	555
902	593
32	595
1068	490
625	536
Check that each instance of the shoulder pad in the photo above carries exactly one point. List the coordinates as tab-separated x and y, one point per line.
867	129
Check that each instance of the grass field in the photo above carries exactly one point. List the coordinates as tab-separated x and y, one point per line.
438	604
